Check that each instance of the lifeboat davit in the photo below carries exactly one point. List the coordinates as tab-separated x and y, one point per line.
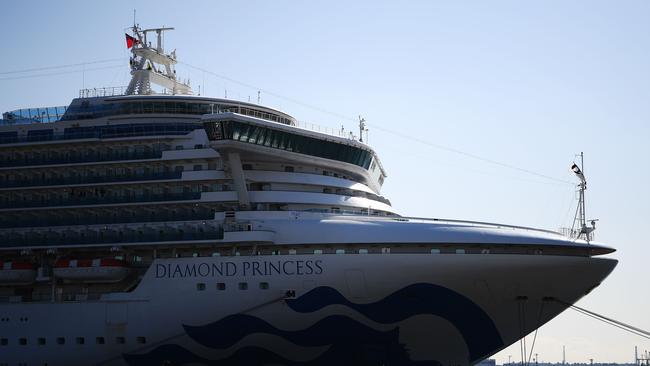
17	273
91	270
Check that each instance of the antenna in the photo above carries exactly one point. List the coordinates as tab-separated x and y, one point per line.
580	218
362	128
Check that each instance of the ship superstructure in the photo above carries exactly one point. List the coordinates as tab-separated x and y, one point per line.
170	229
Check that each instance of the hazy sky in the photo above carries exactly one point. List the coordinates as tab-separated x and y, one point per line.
528	84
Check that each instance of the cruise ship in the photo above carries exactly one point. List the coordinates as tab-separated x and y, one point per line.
163	228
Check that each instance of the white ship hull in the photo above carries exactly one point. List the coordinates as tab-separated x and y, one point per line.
399	309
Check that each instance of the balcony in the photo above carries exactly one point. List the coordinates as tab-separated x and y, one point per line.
88	157
82	201
36	182
189	231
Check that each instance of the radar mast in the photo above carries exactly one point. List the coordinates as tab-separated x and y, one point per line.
152	65
580	218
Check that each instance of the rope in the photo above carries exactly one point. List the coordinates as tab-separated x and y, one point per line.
539	321
618	324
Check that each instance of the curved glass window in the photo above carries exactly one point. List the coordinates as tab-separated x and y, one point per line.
266	136
86	110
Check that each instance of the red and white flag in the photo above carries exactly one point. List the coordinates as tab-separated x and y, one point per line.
130	41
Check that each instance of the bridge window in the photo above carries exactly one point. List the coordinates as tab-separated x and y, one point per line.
284	140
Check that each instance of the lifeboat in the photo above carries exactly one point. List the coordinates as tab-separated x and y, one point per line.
17	273
91	270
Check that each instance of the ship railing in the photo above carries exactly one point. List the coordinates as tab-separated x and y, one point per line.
85	158
74	201
479	224
90	180
332	131
110	91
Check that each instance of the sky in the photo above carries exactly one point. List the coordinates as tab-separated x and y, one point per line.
476	108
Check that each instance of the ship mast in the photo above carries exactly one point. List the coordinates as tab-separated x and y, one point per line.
152	65
580	218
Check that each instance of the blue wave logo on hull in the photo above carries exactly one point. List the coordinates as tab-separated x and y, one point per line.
350	341
476	327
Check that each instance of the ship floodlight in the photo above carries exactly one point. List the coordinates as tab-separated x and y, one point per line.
576	170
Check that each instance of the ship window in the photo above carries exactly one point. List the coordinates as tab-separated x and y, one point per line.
41	341
435	251
141	340
4	341
100	340
318	251
81	340
120	340
460	251
200	286
243	285
264	285
221	286
60	340
22	341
